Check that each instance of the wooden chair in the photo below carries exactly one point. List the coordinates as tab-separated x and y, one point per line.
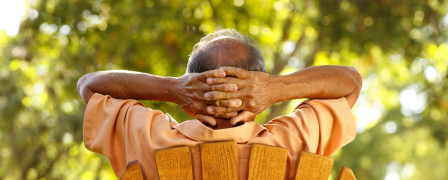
219	160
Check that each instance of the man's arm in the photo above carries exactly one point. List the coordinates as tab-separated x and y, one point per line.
319	82
258	90
186	91
127	85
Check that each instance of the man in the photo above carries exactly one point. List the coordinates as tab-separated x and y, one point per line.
224	88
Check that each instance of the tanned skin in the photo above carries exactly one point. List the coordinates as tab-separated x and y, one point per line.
259	90
212	94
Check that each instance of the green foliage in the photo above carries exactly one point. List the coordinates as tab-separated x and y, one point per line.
399	47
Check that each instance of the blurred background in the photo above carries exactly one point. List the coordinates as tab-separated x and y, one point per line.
399	47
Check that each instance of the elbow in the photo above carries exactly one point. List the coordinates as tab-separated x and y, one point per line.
82	83
357	78
86	80
357	85
83	89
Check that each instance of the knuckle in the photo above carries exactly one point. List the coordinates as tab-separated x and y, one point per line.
214	95
212	109
228	87
218	87
219	110
195	106
259	109
252	103
197	96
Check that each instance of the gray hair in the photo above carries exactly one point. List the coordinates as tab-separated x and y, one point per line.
253	61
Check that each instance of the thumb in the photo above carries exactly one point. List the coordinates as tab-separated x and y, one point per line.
206	119
244	116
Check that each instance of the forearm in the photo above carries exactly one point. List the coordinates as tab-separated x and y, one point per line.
127	85
318	82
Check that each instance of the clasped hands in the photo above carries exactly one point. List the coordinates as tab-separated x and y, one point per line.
225	93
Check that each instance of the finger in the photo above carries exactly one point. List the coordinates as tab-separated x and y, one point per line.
233	71
216	73
226	103
244	116
218	95
221	110
225	80
206	119
200	108
224	87
228	115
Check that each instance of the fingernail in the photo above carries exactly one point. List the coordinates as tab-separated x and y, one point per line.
238	103
222	74
210	110
207	96
209	80
233	88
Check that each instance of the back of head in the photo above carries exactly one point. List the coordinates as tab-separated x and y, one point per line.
226	47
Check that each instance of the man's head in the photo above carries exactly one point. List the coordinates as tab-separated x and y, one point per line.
225	47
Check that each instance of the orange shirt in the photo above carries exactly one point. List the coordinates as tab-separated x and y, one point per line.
124	131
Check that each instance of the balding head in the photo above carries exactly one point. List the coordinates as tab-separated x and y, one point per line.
225	48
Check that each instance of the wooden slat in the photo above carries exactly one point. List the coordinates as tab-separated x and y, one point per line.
132	172
219	160
313	166
174	163
267	162
346	174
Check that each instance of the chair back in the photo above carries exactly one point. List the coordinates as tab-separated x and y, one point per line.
219	160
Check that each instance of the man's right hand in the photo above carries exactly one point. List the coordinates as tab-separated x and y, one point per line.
190	90
252	90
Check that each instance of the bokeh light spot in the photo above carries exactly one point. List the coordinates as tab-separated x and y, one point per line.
278	6
390	127
238	2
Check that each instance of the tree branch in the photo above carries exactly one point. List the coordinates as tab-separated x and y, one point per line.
215	11
277	58
309	61
278	67
51	164
282	63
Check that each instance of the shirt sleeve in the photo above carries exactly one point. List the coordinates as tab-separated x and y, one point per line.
323	125
107	129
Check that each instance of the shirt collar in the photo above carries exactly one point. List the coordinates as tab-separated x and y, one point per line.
195	130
